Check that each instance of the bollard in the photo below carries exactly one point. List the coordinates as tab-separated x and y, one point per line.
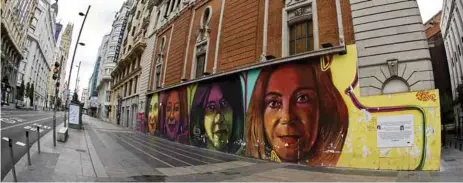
10	143
28	148
38	138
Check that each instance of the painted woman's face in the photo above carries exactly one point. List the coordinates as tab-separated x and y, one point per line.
291	111
173	114
218	118
153	115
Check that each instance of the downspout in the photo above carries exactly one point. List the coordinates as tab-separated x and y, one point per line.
167	55
217	44
264	40
188	46
340	26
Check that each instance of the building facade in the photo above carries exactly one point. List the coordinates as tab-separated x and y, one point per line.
101	84
40	50
451	26
440	67
64	48
16	18
307	81
108	64
129	68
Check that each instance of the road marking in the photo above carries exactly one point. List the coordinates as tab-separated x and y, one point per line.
5	138
20	143
160	144
21	115
12	126
144	152
160	152
156	146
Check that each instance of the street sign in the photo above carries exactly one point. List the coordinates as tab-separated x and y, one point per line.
68	93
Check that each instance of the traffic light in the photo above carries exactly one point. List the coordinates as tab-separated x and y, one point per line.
55	71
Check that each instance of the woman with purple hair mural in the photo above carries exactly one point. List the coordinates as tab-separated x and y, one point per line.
174	116
217	116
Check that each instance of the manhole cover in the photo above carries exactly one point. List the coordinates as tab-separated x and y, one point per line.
81	150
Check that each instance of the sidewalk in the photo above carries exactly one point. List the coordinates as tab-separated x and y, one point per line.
106	152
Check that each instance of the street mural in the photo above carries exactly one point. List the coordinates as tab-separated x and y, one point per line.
307	111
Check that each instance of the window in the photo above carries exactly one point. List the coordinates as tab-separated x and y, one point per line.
138	14
200	59
459	51
301	37
133	30
34	23
206	18
130	87
158	74
135	85
125	89
166	9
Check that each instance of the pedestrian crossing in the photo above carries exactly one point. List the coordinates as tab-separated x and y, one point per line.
33	128
11	120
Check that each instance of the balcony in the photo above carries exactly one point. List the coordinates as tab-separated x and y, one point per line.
146	21
106	76
152	3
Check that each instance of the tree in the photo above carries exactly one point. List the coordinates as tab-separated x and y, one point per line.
31	94
58	103
20	95
75	97
28	87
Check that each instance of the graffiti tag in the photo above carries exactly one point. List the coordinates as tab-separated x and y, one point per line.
425	96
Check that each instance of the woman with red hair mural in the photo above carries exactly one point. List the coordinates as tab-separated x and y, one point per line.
296	114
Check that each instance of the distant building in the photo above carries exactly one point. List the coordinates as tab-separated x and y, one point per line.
39	52
451	26
15	16
84	97
440	66
64	48
109	58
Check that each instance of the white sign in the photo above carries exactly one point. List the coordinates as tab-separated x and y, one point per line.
395	131
74	111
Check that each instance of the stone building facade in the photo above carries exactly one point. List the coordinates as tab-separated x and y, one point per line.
451	26
39	52
64	48
392	47
126	85
16	17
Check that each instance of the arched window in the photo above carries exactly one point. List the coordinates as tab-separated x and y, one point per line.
206	17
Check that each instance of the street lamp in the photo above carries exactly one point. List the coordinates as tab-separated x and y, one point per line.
73	56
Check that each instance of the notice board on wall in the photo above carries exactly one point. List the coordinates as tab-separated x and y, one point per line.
395	131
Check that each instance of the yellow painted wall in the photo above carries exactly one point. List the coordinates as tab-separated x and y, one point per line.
360	147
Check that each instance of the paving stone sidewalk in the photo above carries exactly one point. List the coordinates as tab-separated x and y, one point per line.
93	155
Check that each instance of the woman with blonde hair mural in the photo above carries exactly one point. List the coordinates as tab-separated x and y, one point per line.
296	114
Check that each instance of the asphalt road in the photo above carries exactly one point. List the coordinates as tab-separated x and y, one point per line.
14	124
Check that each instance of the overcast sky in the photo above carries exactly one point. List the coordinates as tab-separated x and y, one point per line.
99	22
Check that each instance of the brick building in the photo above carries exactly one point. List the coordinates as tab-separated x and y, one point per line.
200	38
